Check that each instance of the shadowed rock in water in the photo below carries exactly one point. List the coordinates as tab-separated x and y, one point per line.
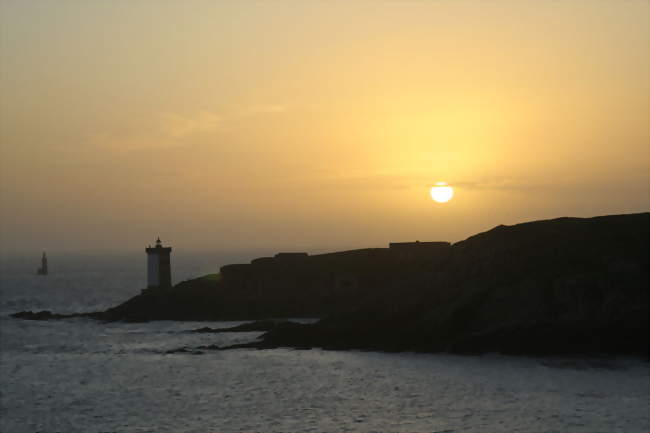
260	325
40	315
561	286
48	315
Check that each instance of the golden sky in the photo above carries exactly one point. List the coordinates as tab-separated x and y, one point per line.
315	124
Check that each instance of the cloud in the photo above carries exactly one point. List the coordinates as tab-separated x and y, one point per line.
504	184
121	142
393	181
181	126
266	109
370	181
157	131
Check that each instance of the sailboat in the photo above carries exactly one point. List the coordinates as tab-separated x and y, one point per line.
43	269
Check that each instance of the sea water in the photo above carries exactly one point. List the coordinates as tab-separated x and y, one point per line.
81	375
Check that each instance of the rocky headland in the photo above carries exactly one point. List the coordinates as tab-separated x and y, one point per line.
560	286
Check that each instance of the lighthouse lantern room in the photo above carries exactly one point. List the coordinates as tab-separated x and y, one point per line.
159	273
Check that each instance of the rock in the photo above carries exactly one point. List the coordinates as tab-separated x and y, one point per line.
48	315
184	350
260	325
556	287
40	315
206	330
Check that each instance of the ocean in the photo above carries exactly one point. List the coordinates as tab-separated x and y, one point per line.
79	375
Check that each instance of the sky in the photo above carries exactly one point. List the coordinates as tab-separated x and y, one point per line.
315	125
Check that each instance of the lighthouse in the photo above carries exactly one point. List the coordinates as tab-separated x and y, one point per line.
159	273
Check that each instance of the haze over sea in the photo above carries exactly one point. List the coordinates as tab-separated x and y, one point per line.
84	376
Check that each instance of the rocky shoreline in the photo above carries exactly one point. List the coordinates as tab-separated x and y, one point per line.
561	286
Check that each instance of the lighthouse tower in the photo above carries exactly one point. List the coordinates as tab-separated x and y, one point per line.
159	273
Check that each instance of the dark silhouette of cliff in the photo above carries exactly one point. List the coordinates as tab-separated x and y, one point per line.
567	285
560	286
289	285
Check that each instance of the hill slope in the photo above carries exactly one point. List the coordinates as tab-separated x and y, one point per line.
561	286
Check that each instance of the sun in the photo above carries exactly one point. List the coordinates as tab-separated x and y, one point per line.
441	192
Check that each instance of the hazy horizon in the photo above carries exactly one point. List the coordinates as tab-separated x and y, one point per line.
180	248
315	126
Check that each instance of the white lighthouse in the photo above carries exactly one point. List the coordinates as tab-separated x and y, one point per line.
159	274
